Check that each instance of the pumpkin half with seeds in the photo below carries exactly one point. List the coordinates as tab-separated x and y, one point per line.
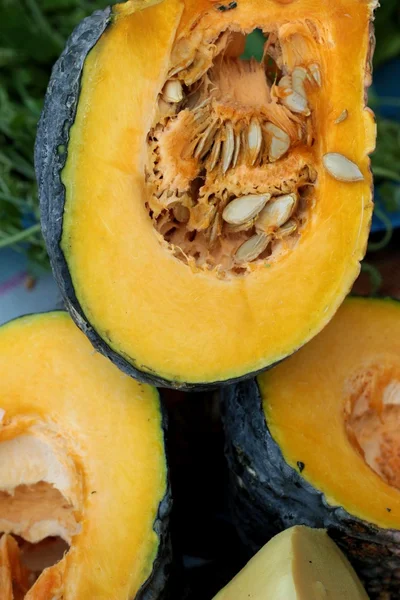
205	214
84	497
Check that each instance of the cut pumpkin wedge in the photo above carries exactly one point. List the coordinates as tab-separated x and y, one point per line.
84	500
154	126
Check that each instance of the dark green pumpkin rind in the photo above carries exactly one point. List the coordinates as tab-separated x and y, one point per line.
267	496
159	584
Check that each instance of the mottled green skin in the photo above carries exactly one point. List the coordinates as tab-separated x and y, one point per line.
267	496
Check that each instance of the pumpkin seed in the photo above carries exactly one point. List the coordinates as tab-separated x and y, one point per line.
228	147
299	76
341	168
296	103
206	140
342	117
242	227
201	121
285	82
276	213
181	213
215	153
252	248
237	150
279	143
254	140
215	229
316	73
172	91
242	209
287	229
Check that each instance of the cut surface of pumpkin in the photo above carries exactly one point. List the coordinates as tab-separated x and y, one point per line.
342	394
315	441
192	198
82	470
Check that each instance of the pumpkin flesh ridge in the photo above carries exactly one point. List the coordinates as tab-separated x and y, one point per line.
68	428
135	287
340	395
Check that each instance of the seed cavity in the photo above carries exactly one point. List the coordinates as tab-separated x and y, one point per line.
252	248
342	117
341	168
229	169
241	210
276	213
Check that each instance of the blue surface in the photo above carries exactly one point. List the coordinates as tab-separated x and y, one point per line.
15	298
387	84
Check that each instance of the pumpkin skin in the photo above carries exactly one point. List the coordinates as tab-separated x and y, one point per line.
291	460
158	318
92	439
297	564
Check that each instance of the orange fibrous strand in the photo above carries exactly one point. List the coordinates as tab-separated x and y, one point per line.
372	418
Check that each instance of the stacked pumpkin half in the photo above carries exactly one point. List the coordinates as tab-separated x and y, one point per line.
205	217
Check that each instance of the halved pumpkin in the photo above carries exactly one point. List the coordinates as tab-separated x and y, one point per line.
316	442
205	215
84	500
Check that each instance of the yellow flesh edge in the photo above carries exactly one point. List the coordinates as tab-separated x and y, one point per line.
297	564
304	403
148	305
112	425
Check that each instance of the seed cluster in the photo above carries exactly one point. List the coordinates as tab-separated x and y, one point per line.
230	172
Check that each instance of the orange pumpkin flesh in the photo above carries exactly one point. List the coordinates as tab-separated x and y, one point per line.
82	469
341	392
315	441
170	127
